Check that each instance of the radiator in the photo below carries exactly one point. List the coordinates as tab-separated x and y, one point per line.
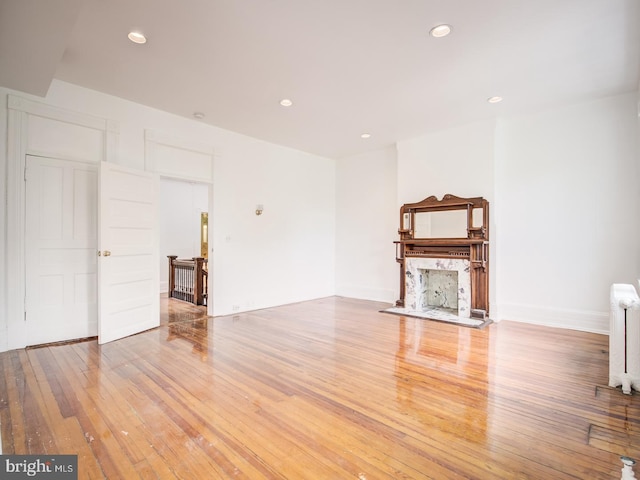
624	297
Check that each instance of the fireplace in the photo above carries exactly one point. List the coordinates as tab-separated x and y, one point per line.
443	254
438	283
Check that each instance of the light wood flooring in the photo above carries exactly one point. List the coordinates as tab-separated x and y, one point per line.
326	389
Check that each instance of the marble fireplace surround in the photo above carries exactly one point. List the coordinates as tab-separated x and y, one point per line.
415	287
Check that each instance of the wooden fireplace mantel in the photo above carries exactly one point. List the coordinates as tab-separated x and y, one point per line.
472	244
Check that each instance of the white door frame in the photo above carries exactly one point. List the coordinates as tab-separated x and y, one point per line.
197	166
21	141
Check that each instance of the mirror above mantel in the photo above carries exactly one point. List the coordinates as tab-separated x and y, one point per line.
445	223
451	217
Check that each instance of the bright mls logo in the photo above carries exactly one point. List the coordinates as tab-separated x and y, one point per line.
50	467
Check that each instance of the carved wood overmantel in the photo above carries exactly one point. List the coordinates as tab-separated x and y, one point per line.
453	227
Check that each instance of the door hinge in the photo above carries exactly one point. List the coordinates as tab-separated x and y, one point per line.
25	173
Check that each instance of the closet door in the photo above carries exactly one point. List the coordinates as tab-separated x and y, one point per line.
128	252
60	249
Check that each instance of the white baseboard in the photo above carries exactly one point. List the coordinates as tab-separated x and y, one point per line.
583	320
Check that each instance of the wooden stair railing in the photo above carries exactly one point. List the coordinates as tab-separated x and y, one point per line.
188	279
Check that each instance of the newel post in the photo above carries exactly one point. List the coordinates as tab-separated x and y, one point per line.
197	281
172	274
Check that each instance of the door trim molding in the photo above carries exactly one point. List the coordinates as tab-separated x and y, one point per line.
154	139
20	110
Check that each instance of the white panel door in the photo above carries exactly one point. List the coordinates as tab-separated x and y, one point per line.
60	250
128	261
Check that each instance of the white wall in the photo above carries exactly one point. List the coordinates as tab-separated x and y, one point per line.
638	182
286	255
459	161
564	204
181	206
3	223
568	212
366	226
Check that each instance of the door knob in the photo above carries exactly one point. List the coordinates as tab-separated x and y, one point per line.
107	253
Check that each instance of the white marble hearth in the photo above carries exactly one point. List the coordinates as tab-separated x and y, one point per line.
439	315
421	297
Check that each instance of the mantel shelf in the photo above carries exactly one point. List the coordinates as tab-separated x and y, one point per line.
442	241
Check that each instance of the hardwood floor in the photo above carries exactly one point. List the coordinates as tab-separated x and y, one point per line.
326	389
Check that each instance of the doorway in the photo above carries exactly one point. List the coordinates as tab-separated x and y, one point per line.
182	205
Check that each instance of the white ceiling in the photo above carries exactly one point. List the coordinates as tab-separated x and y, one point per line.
350	66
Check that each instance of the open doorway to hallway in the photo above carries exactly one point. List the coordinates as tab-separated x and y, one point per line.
183	209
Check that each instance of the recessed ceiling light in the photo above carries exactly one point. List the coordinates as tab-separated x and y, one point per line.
494	99
440	31
137	37
365	135
198	115
285	102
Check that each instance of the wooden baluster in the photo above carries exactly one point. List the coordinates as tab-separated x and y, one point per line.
187	284
179	281
182	274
